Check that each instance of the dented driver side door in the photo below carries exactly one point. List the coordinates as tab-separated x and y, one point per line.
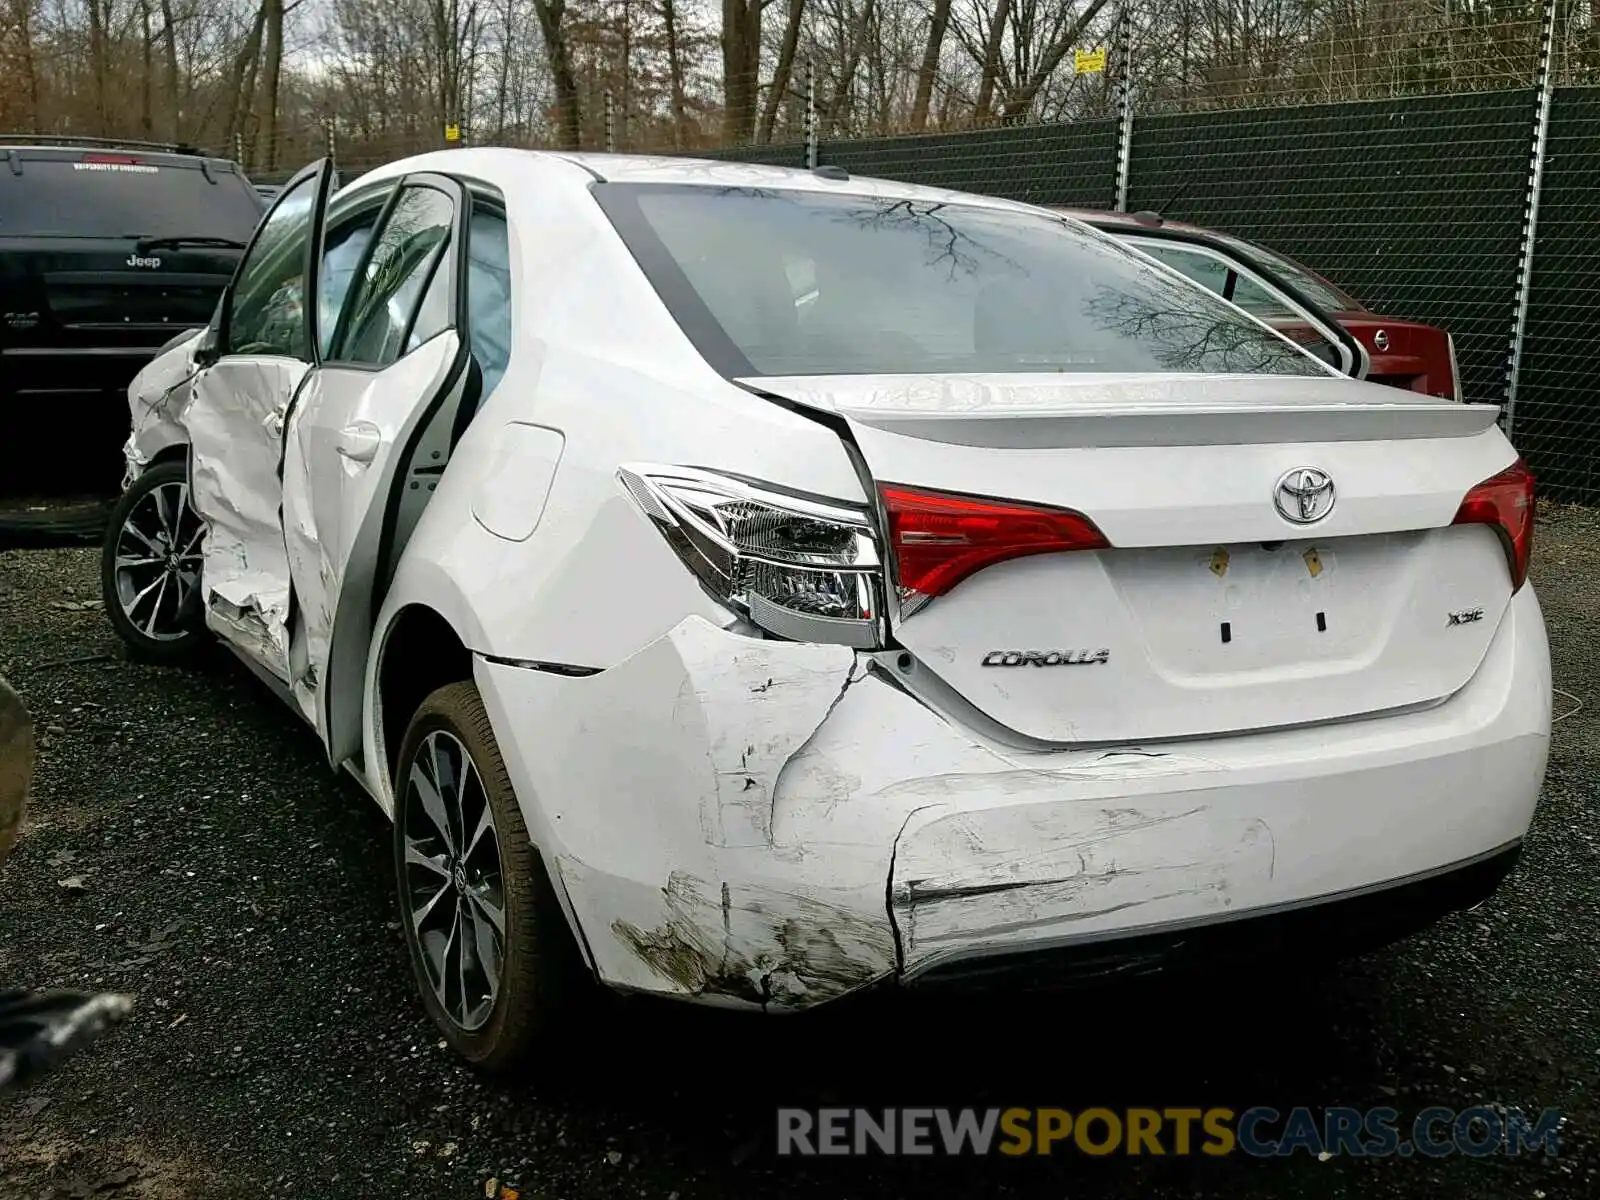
264	346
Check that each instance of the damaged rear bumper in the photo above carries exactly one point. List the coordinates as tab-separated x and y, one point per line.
768	824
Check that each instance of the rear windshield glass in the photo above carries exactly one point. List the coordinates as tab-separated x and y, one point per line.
85	196
1317	289
777	282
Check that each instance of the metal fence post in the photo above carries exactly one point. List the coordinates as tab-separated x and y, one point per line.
811	116
1530	213
611	124
1124	101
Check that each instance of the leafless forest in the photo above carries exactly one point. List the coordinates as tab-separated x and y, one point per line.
275	82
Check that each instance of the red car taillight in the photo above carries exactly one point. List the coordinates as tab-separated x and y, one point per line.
938	540
1505	501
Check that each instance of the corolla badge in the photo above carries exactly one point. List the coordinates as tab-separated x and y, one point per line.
1045	658
1304	495
138	260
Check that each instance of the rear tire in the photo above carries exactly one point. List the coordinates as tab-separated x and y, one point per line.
150	567
490	949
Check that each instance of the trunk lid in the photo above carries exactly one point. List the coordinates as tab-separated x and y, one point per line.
1211	612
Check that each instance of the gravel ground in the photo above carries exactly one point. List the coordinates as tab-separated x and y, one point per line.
243	895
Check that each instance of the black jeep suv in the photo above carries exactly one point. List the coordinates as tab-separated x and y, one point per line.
107	250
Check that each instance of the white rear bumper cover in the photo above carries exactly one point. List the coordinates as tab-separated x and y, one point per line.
766	824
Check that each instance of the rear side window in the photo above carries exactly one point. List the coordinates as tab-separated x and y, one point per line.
118	195
769	281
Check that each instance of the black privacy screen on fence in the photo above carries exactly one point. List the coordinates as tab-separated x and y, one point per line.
1038	164
1415	205
1558	401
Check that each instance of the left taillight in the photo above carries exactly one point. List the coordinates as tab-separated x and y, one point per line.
802	569
1505	501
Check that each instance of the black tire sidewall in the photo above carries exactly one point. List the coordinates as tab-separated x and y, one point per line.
142	647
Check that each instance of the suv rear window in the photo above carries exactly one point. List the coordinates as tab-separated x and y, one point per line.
779	282
119	195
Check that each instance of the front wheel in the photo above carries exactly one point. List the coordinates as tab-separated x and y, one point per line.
490	949
150	566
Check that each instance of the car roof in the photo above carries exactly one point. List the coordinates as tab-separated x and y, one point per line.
503	166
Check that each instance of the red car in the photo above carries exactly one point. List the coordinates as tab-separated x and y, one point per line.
1294	300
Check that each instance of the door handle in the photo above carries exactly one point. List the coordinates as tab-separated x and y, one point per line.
359	442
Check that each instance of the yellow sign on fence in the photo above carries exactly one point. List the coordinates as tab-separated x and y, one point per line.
452	133
1088	62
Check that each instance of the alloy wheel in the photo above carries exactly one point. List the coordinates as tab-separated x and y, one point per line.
157	565
452	884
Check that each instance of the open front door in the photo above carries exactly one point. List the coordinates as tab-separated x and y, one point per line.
260	349
367	440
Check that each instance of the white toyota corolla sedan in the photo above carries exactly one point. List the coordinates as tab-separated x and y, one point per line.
754	586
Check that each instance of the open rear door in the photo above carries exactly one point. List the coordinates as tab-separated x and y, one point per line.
384	402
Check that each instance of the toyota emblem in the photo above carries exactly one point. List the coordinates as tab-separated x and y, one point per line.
1304	495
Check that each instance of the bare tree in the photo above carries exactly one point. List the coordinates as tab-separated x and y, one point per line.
1021	100
937	24
557	51
741	65
785	68
670	30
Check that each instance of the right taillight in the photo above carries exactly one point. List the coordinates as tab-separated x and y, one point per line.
939	539
1505	501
